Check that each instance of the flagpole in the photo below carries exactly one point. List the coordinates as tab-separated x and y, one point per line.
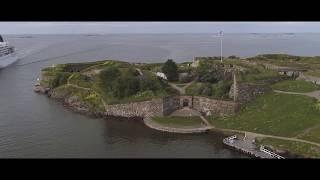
221	45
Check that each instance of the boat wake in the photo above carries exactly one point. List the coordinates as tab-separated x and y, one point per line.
61	56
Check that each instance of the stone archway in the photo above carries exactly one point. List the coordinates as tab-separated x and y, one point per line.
185	103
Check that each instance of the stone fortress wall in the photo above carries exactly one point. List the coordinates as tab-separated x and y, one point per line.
153	107
165	106
209	106
244	92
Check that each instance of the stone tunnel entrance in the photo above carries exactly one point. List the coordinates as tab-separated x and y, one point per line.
185	103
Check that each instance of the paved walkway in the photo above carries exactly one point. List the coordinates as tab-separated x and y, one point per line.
248	146
152	124
314	94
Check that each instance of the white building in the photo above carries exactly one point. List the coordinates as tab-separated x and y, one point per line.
195	62
161	75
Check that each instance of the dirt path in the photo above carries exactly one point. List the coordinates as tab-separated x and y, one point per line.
140	72
307	131
182	90
314	94
89	89
206	122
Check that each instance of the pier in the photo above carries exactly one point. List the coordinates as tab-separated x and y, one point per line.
247	146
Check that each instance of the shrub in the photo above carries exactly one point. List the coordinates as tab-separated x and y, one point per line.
233	57
125	86
147	93
107	76
60	79
221	89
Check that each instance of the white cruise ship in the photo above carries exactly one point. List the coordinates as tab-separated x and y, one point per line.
8	54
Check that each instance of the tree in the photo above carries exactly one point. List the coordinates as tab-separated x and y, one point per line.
233	57
107	76
125	86
170	69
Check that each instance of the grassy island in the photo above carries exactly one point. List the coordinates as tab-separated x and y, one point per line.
96	85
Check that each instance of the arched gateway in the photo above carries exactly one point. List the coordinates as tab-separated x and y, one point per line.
185	103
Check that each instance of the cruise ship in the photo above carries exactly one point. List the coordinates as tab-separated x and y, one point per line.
8	54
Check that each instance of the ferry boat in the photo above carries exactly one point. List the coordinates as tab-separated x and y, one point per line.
8	54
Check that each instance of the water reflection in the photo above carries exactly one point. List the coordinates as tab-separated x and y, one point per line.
133	134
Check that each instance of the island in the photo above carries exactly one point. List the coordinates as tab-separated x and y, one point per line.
268	101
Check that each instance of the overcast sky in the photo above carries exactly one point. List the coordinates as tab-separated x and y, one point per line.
156	27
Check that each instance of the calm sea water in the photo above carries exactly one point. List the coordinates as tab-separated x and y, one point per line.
32	125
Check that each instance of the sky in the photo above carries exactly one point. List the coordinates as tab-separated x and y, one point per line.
156	27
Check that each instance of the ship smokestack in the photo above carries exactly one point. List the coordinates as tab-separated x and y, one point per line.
1	39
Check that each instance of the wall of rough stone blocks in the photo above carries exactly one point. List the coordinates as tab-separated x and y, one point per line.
166	105
153	107
170	104
187	99
245	92
218	107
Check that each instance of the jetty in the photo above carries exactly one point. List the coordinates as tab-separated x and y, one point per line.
248	146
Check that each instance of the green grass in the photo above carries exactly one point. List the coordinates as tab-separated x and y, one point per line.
80	80
312	135
94	84
258	75
89	98
313	73
307	150
274	114
193	88
219	90
179	121
296	86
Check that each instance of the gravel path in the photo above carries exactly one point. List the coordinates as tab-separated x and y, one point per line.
314	94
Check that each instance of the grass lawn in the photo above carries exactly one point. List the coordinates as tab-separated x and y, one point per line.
193	88
313	73
312	135
274	114
180	122
300	148
296	86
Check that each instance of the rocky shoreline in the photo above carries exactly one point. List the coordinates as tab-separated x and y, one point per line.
69	103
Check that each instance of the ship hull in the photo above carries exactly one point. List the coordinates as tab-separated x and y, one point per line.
8	60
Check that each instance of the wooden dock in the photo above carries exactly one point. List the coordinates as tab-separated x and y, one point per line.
247	146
